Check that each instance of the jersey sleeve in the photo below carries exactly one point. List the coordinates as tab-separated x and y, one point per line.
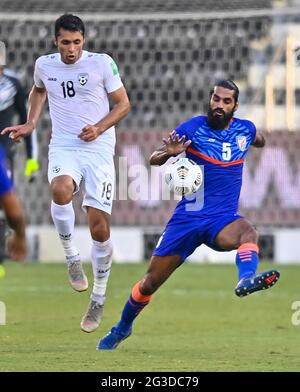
186	129
37	75
111	76
252	129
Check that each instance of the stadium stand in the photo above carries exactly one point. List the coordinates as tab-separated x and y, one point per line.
160	72
131	5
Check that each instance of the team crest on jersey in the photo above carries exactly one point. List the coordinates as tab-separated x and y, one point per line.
241	142
56	169
83	78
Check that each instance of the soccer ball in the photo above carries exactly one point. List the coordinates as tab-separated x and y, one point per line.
184	177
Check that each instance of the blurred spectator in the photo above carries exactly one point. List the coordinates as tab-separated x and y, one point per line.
13	101
13	212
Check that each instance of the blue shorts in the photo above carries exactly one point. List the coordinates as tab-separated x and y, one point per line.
183	234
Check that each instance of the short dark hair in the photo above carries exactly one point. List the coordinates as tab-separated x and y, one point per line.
69	22
230	85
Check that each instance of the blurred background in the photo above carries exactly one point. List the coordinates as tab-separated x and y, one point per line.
170	54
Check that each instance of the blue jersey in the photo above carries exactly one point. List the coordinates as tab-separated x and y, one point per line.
5	182
222	154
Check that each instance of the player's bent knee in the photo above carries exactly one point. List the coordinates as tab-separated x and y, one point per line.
62	190
250	235
62	195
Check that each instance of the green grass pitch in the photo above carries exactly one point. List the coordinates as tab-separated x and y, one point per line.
194	323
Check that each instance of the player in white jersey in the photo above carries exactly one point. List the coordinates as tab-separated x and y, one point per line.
78	85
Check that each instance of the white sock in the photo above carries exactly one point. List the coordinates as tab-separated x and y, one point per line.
64	220
101	261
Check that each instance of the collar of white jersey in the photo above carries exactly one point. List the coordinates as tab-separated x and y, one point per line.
84	54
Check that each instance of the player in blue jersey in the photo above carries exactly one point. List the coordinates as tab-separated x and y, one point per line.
220	143
16	241
12	102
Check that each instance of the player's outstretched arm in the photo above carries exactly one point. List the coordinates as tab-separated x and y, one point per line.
259	141
172	147
37	98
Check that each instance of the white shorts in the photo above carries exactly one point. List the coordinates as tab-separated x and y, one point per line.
94	170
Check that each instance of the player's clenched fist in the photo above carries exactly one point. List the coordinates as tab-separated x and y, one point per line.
89	133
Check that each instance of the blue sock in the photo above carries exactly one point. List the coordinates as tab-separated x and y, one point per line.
130	312
247	260
132	308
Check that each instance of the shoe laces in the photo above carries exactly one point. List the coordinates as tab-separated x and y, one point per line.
93	311
76	271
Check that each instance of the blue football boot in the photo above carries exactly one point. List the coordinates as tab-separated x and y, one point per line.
114	338
257	282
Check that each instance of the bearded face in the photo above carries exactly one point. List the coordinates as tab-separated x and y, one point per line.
221	108
218	119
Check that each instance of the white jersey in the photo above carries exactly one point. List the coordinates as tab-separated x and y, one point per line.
77	95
